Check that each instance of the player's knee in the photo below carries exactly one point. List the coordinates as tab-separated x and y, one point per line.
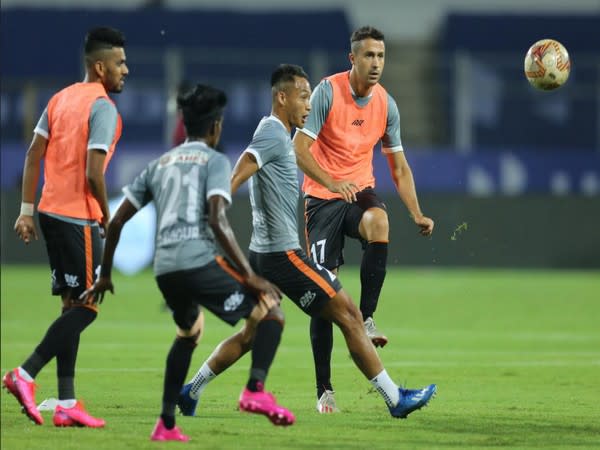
374	224
190	340
344	312
276	313
185	318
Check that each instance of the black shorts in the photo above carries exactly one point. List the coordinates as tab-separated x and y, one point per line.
329	221
74	252
306	283
215	286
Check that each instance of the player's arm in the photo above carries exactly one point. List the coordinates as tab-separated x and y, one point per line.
102	126
104	282
25	226
405	184
245	167
94	174
217	220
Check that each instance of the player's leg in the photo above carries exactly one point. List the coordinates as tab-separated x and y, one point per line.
62	240
367	220
177	289
254	398
343	312
325	243
82	252
228	299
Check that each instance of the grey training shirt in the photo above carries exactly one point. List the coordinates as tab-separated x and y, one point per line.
274	189
180	182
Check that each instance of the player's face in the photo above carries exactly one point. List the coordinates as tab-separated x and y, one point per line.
114	69
298	102
368	60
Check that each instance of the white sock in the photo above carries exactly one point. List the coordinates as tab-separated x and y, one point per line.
23	373
387	388
200	380
70	403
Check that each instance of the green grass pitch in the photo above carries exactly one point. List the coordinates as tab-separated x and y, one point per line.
515	355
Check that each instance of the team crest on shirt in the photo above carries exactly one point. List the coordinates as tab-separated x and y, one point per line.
233	301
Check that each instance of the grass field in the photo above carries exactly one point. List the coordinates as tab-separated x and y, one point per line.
515	355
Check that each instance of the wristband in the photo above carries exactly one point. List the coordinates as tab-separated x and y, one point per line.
27	209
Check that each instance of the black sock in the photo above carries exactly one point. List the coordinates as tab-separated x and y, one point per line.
168	420
61	333
321	339
34	364
178	363
266	341
372	275
65	369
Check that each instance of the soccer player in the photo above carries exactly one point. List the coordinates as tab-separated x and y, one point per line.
190	187
275	252
76	137
351	112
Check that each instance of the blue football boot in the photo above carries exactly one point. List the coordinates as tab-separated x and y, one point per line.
411	400
187	405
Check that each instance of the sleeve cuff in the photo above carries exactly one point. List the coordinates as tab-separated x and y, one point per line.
220	192
388	150
307	132
256	156
129	196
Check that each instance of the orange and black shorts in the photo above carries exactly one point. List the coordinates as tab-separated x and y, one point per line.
309	285
328	222
74	252
215	286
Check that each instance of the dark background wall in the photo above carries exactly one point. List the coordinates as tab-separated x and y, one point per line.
531	231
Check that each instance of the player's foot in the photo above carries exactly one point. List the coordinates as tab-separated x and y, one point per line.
264	403
162	433
24	392
377	338
76	416
187	405
326	403
411	400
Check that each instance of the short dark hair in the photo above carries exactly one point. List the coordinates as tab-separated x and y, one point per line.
363	33
201	106
103	38
285	73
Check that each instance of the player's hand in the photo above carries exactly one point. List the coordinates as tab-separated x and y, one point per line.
425	224
98	289
103	226
346	188
25	228
268	292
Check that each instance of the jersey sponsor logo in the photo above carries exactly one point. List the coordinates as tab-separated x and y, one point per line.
184	157
71	280
307	299
233	301
358	122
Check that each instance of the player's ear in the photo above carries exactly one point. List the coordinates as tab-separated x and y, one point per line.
281	97
99	68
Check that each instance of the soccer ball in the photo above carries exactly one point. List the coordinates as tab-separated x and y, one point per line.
547	65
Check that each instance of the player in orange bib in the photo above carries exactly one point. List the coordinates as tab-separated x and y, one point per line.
350	114
76	137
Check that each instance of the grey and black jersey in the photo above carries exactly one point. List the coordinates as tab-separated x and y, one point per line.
180	183
274	189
